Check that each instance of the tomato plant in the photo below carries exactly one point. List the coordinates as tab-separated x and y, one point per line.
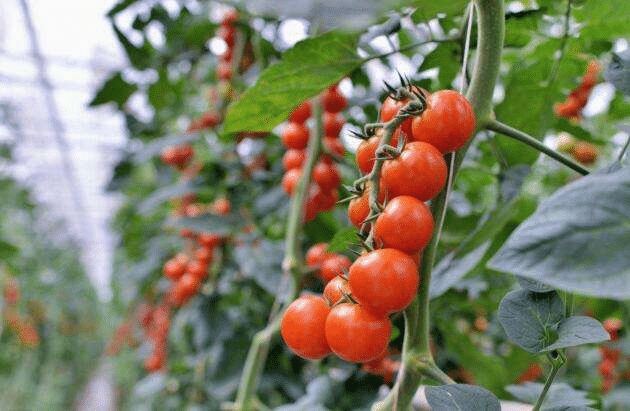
473	244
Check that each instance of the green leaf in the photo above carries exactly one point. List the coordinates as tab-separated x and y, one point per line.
559	395
530	319
446	57
120	6
461	397
7	250
428	9
163	194
262	261
318	391
115	89
578	239
342	240
139	57
450	269
603	19
305	70
618	71
520	26
578	330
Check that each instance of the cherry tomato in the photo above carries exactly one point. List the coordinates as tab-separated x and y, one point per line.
301	113
333	101
359	209
335	289
405	224
295	135
447	122
585	152
329	200
174	268
337	265
384	281
293	159
224	70
334	145
185	288
198	269
333	123
303	327
420	171
316	255
391	106
356	335
326	175
366	154
290	180
209	240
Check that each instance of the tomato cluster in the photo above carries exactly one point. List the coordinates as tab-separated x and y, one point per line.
576	100
322	192
610	366
23	326
351	319
584	152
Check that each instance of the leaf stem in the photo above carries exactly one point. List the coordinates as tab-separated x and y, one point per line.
556	363
523	137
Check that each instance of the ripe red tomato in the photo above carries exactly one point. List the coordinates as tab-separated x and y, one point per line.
303	327
333	101
405	224
290	180
12	294
334	145
333	123
209	240
356	335
447	122
293	159
316	255
229	17
295	135
585	152
228	34
337	265
366	154
301	113
198	269
390	108
326	176
420	171
359	209
335	289
185	288
174	268
384	281
328	200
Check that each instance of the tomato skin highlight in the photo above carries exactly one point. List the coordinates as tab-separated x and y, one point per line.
303	327
405	224
356	335
420	171
384	281
447	123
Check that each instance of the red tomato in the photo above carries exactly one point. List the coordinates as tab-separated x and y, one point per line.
333	101
174	268
333	123
384	281
447	122
359	209
420	171
391	106
293	159
290	180
366	154
335	289
585	152
405	224
356	335
303	327
301	113
295	135
337	265
326	176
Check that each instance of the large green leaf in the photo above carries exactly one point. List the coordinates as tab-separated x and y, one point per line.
578	330
603	19
578	240
428	9
115	89
559	395
461	397
306	69
530	319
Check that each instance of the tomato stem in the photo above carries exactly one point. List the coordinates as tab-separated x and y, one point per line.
523	137
293	270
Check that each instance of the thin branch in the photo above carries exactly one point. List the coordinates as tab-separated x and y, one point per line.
511	132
